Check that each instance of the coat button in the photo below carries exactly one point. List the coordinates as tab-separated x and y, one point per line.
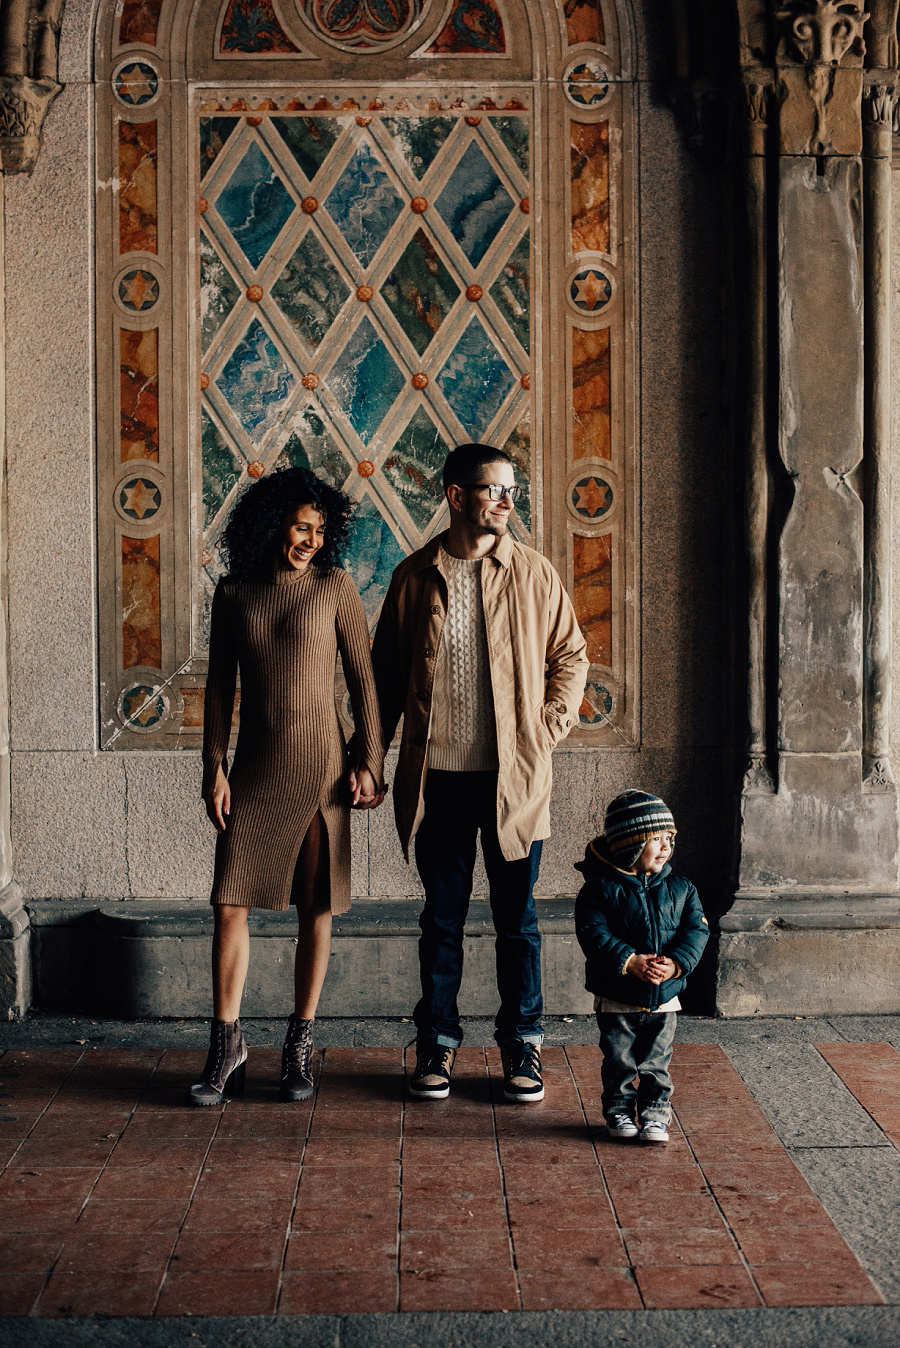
436	608
428	653
424	695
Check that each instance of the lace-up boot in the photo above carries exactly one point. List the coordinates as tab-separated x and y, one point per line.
296	1055
224	1071
522	1080
431	1079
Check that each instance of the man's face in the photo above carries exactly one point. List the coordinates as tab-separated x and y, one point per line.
482	514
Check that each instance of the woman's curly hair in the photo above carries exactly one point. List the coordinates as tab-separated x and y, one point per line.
259	513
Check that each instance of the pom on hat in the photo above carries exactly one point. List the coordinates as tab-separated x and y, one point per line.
630	820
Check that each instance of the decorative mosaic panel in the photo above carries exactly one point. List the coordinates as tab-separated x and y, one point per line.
307	269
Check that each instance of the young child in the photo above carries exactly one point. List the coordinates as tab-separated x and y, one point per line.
642	931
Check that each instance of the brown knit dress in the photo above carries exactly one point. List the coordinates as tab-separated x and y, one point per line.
284	634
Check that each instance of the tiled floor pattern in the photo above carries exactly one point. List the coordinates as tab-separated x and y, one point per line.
116	1199
873	1077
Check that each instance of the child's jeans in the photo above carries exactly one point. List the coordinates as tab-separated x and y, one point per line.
639	1043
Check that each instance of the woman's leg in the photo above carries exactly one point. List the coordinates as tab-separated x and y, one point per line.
230	960
312	895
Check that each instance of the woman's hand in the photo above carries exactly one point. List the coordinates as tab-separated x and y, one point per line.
364	794
218	801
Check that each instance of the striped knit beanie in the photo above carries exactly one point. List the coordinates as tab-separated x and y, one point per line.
630	820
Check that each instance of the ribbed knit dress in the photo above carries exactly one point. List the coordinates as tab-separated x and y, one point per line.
284	634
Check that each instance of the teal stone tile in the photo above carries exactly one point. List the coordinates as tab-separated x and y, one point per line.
515	132
311	445
309	139
414	467
221	468
310	290
363	204
419	138
365	380
214	132
474	203
372	556
219	292
420	291
255	204
511	291
475	380
256	381
518	447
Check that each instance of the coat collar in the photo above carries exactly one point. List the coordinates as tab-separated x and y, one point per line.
427	556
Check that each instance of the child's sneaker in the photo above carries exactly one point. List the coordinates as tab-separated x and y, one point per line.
654	1131
620	1125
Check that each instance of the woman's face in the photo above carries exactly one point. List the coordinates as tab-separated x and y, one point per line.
302	534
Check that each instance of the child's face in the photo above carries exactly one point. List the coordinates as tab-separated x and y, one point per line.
656	853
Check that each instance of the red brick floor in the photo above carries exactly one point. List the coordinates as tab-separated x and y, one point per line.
116	1199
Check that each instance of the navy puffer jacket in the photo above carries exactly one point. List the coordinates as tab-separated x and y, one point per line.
618	914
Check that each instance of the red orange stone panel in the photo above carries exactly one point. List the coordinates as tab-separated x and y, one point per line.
192	701
590	186
473	27
593	594
590	394
139	395
584	21
141	621
138	212
140	21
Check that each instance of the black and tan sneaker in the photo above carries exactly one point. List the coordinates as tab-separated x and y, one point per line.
522	1080
431	1079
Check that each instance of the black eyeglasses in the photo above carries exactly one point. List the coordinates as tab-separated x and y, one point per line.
495	490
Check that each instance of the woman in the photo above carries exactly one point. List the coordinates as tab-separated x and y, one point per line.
281	616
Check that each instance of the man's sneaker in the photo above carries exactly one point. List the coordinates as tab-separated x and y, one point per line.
620	1125
522	1080
654	1131
431	1079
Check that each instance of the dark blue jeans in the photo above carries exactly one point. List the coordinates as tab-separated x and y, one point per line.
457	806
637	1044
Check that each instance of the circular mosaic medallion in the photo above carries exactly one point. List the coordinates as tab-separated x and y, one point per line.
597	704
137	290
591	498
138	498
361	25
142	707
136	83
586	84
590	290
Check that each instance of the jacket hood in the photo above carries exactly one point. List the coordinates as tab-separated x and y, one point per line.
598	861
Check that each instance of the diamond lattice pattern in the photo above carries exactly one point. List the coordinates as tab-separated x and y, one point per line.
363	306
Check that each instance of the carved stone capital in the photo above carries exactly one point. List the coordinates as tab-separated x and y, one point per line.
23	107
878	104
757	778
821	32
878	775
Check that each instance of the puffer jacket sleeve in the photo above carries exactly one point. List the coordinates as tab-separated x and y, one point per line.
687	944
606	953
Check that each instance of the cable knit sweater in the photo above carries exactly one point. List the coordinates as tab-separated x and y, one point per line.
463	734
285	634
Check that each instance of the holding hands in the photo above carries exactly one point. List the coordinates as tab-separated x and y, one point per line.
364	794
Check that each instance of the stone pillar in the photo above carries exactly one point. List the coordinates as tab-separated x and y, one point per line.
819	847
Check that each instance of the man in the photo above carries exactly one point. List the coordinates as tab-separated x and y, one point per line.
479	650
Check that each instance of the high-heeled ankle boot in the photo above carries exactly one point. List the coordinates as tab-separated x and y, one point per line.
225	1065
296	1074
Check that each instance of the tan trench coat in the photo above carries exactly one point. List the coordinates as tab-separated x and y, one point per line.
538	669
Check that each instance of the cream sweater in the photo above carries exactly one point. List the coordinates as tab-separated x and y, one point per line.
463	732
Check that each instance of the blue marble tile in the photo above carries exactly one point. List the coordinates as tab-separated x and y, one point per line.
309	139
419	138
310	290
372	556
310	445
414	468
363	204
256	381
214	131
475	380
221	468
365	380
474	204
420	291
518	447
514	132
218	292
255	205
510	291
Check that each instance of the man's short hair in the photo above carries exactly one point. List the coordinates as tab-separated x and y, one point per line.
465	461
